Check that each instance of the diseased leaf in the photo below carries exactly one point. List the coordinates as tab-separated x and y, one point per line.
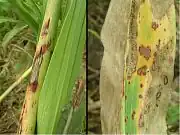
63	69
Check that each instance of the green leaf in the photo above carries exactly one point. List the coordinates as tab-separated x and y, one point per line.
7	19
25	15
18	28
78	118
63	69
173	115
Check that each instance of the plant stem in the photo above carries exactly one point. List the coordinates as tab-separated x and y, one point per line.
68	121
40	65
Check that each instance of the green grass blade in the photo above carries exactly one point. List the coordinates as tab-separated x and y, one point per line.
25	15
18	28
7	19
63	64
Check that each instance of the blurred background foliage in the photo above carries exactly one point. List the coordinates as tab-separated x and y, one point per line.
96	14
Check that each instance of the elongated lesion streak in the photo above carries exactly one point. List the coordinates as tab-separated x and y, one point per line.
132	52
35	71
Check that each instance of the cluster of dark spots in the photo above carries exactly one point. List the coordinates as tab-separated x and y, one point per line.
147	108
158	95
140	96
165	80
133	115
141	121
142	70
154	25
145	51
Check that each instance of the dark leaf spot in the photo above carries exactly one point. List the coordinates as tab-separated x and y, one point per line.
155	25
158	95
145	51
165	80
133	115
140	96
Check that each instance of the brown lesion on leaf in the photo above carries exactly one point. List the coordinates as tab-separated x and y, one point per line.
165	80
147	108
142	70
33	86
140	96
77	95
145	51
155	25
126	118
122	92
141	120
45	28
133	115
155	65
158	95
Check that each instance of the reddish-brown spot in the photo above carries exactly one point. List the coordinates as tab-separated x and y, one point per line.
44	48
33	86
142	71
145	51
141	85
45	28
155	25
170	60
141	120
133	115
122	94
140	96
